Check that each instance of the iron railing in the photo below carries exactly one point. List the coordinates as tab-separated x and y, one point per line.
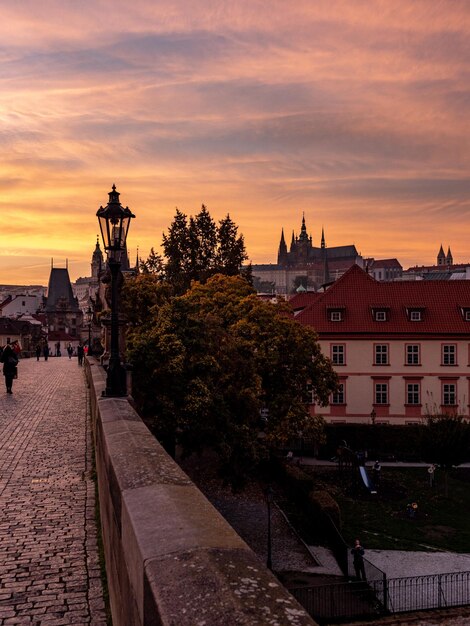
381	596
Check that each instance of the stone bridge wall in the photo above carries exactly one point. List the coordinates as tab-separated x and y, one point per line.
171	558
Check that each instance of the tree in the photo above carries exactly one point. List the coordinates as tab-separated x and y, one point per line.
177	252
446	442
231	248
207	362
196	249
153	264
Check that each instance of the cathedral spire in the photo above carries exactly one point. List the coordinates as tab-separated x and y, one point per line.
449	259
323	238
303	230
441	257
282	253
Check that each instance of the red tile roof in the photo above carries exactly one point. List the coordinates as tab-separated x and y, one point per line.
302	300
441	303
386	263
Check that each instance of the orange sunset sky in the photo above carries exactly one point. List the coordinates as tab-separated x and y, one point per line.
354	112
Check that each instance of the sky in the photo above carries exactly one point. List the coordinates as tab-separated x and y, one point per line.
356	114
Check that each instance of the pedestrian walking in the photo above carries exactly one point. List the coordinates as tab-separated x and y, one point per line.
38	352
70	350
45	351
80	353
358	560
9	359
376	473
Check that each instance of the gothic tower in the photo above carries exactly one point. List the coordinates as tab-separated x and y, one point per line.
441	257
449	259
97	262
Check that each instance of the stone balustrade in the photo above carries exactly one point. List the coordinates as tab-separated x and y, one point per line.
171	558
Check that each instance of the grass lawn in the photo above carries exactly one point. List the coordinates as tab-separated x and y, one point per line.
381	521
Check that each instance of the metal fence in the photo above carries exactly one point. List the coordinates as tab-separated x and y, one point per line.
381	596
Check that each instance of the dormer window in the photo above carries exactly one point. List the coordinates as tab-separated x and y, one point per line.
415	313
465	313
380	313
335	313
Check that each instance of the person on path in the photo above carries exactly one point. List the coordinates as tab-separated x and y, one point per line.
38	352
358	560
70	350
9	359
80	353
376	474
45	351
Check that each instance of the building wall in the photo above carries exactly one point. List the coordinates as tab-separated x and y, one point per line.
360	375
21	305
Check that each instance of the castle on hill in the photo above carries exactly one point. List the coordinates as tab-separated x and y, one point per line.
304	266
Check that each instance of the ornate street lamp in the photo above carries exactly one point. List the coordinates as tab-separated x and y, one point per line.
89	319
114	221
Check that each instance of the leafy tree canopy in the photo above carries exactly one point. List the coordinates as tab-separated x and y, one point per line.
206	363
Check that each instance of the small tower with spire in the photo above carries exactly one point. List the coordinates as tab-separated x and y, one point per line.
97	261
449	258
441	257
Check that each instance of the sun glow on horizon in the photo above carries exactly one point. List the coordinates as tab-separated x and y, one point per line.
356	115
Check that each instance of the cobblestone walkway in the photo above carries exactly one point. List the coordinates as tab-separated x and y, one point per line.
49	570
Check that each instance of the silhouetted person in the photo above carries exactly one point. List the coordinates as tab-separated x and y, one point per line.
376	473
80	353
9	359
70	350
358	560
38	352
45	351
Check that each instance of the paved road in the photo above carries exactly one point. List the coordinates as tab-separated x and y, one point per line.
49	571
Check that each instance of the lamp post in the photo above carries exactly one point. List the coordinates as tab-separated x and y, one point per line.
114	221
269	500
89	317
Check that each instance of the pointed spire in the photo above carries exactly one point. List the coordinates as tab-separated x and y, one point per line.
441	257
282	253
303	230
449	259
323	238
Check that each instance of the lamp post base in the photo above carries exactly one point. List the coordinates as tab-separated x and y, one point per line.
116	380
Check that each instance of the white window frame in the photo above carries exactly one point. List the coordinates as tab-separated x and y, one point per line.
380	316
449	394
339	396
381	393
413	354
338	354
336	316
381	354
449	354
413	393
415	316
